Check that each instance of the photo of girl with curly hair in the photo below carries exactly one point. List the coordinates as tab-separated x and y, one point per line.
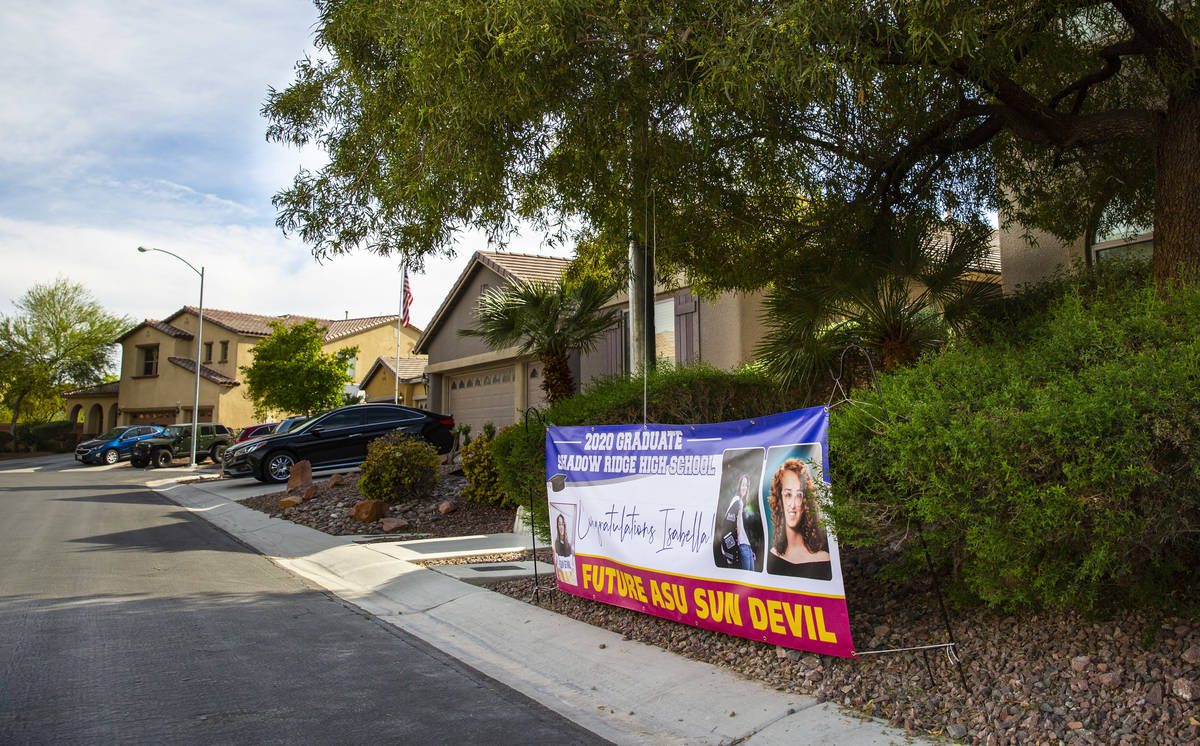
799	547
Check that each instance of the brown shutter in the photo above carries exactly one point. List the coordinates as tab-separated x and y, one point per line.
687	328
612	347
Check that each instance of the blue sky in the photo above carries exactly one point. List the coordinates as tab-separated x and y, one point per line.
136	123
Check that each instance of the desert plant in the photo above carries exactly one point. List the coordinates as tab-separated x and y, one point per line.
399	467
483	481
548	320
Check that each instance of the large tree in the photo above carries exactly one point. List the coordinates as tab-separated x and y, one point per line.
60	337
291	375
574	116
1072	115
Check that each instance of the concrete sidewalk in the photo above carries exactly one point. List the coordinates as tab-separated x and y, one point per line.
625	691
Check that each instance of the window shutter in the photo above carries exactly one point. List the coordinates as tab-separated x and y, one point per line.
612	346
687	328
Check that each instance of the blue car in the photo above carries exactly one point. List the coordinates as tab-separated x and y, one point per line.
114	445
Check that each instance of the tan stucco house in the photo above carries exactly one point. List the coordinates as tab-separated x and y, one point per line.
391	378
476	384
158	366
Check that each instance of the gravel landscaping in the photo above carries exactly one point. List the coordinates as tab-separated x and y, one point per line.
1033	679
330	511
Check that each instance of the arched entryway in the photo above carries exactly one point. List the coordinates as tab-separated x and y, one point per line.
76	413
112	416
95	420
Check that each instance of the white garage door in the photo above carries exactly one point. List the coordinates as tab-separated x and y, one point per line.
482	396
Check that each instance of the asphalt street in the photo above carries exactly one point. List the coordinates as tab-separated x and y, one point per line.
125	619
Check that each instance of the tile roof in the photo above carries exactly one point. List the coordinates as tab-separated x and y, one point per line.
511	267
259	325
524	266
162	326
205	371
111	388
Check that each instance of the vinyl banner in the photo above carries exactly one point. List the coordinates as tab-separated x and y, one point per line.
718	526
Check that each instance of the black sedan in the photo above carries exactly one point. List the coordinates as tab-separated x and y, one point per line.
333	440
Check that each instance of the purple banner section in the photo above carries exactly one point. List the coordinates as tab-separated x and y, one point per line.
791	619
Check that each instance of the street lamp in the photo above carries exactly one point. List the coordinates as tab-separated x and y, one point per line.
199	334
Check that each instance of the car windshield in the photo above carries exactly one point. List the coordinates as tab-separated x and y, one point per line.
297	426
112	434
174	431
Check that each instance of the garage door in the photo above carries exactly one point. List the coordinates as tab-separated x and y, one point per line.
482	396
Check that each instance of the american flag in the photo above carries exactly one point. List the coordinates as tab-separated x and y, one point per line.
406	299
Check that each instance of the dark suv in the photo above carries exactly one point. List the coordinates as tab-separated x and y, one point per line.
176	442
333	440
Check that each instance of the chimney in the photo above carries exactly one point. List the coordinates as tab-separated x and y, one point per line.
347	316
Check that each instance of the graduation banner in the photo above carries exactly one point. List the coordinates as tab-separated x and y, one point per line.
717	526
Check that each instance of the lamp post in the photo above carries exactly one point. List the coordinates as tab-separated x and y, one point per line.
199	335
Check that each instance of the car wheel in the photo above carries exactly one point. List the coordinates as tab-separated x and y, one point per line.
111	456
138	462
278	466
162	458
217	452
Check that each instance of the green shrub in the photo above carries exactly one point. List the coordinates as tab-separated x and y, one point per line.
694	394
5	439
483	481
398	467
54	436
1057	464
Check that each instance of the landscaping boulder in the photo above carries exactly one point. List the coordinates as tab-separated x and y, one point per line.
392	525
310	493
288	502
337	480
301	476
445	507
369	511
1192	655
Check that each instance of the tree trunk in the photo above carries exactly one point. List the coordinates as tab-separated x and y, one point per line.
557	381
1177	195
12	426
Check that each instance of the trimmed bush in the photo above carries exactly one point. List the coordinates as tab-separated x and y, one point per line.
399	467
688	395
57	436
5	439
1056	465
479	467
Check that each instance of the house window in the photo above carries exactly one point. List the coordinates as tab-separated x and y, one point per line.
664	331
225	351
350	368
148	360
208	352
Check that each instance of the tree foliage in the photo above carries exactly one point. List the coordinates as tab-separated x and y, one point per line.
59	338
290	374
546	320
736	135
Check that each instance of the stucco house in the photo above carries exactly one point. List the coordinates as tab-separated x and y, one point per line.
1030	256
476	384
158	366
390	377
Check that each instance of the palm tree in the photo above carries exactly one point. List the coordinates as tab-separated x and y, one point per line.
547	319
898	286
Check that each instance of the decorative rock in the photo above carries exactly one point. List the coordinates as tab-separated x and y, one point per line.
288	502
1191	655
337	480
1080	663
1074	725
445	507
1185	689
956	731
309	493
300	477
392	525
1110	679
369	511
1155	694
